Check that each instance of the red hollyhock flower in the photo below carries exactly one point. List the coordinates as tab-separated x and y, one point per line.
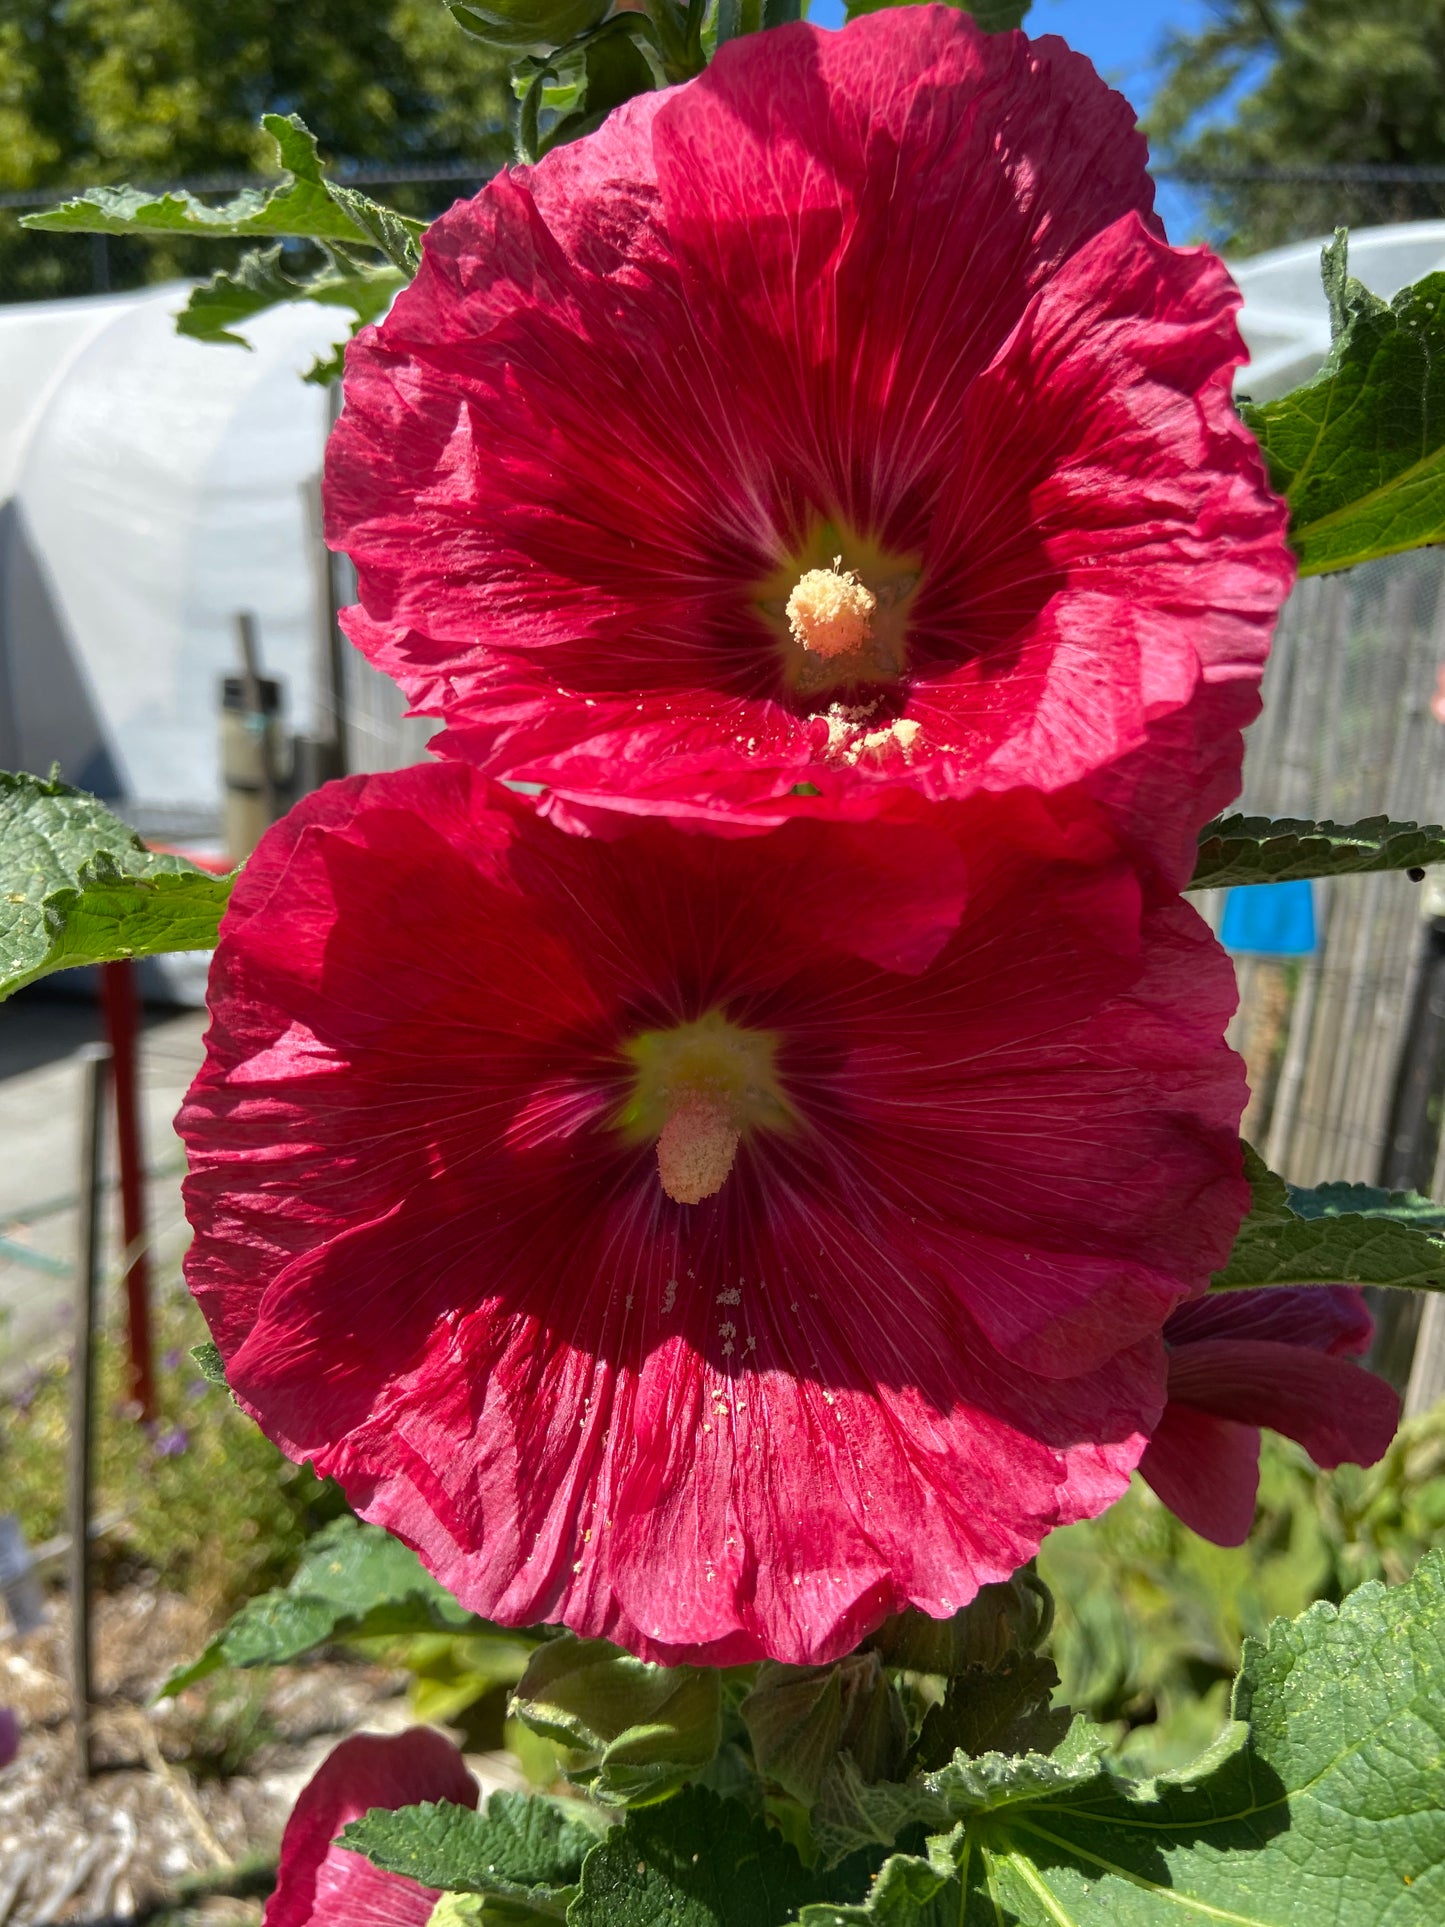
320	1884
714	1245
839	421
1242	1359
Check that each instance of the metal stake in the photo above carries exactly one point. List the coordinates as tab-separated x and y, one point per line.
94	1062
122	1009
251	673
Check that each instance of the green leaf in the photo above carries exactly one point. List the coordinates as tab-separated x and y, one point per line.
354	1582
527	24
452	1671
994	16
491	1910
258	283
306	205
1262	849
460	1910
1339	1234
616	69
734	18
1005	1711
799	1718
641	1730
77	886
397	236
208	1362
697	1861
1359	451
1322	1806
301	204
521	1847
581	83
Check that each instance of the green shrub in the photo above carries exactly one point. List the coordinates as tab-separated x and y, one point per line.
203	1499
1151	1618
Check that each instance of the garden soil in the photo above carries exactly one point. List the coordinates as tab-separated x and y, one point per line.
186	1795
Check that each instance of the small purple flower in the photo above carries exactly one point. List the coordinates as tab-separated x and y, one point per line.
171	1360
172	1443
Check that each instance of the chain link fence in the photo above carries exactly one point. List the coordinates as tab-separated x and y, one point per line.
1245	212
1252	209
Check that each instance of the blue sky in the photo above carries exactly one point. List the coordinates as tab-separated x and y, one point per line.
1119	36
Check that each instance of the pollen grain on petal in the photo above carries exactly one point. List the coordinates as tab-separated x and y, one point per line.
696	1148
830	612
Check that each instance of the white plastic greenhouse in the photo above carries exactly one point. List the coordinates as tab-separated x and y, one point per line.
1286	321
151	487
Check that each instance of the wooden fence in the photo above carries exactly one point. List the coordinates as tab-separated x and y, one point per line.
1348	731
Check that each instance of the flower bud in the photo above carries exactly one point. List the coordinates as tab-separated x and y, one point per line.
524	24
799	1718
1011	1617
640	1730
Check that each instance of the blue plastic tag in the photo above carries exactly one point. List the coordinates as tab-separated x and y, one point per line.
1270	919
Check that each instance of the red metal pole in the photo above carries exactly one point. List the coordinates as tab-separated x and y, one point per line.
118	996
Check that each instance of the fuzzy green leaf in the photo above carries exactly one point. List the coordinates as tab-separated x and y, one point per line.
214	309
1359	451
355	1582
208	1362
1340	1234
77	886
299	205
520	1847
698	1861
1322	1806
1005	1711
1262	849
397	236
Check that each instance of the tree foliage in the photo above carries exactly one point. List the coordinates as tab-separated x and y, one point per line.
159	91
1270	84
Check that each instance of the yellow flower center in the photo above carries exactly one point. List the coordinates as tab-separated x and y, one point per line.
699	1089
839	606
697	1146
830	612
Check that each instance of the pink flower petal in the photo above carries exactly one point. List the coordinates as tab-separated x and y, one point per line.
1337	1411
1206	1470
904	280
322	1885
915	1329
1323	1318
